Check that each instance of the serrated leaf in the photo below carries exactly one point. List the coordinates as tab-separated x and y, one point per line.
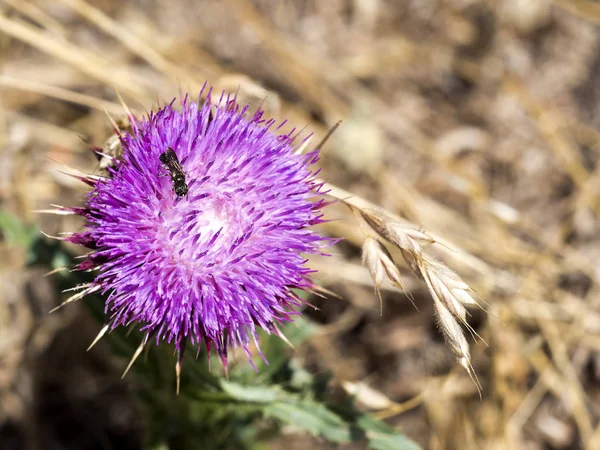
312	417
253	394
381	436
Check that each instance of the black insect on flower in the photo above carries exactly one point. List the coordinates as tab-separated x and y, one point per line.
171	163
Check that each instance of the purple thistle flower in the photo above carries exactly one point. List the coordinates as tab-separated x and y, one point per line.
218	263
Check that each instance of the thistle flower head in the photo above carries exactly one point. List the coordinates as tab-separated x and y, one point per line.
214	265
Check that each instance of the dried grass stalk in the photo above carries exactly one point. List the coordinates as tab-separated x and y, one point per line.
451	295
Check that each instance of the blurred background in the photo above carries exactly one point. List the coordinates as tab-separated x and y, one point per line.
477	120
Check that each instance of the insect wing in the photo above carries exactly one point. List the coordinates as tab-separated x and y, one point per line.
169	157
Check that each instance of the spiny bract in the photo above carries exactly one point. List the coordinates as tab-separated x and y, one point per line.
222	261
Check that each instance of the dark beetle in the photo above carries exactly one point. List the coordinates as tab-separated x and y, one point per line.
171	163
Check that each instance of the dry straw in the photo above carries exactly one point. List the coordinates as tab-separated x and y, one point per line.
451	295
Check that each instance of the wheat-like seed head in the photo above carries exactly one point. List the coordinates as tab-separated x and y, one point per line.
402	233
380	264
450	293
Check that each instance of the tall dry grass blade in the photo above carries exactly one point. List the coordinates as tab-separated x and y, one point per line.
60	94
328	135
135	43
90	64
304	75
38	16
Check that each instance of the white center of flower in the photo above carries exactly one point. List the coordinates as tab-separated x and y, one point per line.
216	216
201	233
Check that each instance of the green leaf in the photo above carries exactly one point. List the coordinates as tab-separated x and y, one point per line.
312	417
16	232
381	436
253	394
